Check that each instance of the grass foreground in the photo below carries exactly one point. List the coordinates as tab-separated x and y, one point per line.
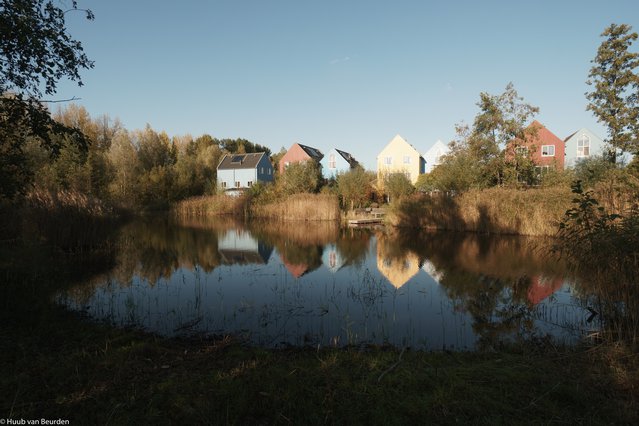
56	365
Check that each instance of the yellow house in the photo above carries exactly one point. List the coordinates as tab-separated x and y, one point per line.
400	157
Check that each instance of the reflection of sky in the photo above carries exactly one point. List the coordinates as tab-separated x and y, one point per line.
382	299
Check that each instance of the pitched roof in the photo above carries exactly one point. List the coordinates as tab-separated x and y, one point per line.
240	161
314	153
348	157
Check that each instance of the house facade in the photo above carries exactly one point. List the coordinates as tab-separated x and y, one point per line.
542	146
337	161
581	145
433	156
298	153
237	172
400	157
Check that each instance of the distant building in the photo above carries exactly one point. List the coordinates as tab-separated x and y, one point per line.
337	161
581	145
400	157
237	172
433	156
298	153
542	146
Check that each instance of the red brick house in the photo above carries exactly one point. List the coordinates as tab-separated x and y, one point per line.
541	145
298	153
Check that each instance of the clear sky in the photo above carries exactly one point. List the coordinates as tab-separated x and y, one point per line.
344	74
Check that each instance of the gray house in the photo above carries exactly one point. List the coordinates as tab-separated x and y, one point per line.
237	172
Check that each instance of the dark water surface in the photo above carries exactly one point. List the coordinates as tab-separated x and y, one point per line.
318	284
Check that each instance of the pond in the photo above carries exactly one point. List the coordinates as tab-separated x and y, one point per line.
316	284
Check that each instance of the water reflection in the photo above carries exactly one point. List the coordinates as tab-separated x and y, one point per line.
299	284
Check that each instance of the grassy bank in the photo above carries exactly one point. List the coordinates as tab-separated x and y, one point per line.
57	365
501	211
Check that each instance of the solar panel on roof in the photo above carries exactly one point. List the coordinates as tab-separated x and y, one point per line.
237	159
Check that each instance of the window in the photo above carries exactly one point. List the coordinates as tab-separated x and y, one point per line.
223	184
406	159
261	170
583	146
388	161
522	150
269	171
237	184
331	161
548	150
249	183
542	170
287	163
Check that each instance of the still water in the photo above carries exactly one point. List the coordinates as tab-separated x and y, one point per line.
317	284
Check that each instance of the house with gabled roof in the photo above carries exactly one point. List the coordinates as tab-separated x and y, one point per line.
400	157
237	172
298	153
581	145
337	161
541	145
433	156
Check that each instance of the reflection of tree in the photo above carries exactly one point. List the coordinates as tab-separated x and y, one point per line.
352	245
496	280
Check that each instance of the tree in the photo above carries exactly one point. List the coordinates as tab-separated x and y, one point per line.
397	185
300	177
615	98
35	53
355	187
478	157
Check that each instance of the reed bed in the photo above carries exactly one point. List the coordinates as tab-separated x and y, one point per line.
210	205
535	212
307	207
67	219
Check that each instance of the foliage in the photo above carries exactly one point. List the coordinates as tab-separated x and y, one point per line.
614	99
478	157
397	185
35	53
300	177
591	170
355	186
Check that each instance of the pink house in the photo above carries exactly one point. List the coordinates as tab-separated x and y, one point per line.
298	153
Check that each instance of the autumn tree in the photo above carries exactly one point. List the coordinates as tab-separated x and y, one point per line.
614	99
300	177
36	52
397	185
355	186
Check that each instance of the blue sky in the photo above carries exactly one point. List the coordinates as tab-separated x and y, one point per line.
345	74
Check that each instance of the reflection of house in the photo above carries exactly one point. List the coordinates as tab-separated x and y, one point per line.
581	145
400	157
331	258
432	271
239	247
299	153
337	161
433	156
542	287
397	268
237	172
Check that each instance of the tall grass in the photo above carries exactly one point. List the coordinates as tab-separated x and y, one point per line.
603	249
210	205
533	212
70	220
308	207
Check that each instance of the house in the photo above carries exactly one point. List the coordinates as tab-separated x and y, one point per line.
542	146
337	161
400	157
298	153
433	156
581	145
237	172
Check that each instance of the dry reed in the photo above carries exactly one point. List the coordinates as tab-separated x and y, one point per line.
308	207
496	211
